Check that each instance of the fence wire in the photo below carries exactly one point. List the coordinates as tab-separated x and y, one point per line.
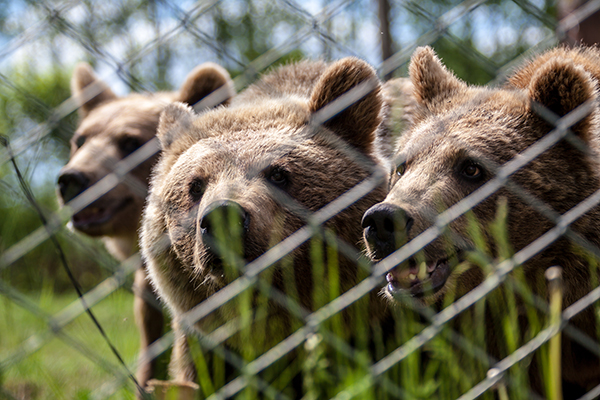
139	46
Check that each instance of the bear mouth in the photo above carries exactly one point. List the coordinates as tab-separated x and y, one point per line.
418	282
215	265
97	214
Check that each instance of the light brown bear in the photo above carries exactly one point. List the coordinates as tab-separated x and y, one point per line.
111	128
265	164
461	134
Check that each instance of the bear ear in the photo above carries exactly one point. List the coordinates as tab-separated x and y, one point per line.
358	122
561	86
175	122
433	83
207	86
88	90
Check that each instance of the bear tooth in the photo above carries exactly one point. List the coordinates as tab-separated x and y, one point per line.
412	277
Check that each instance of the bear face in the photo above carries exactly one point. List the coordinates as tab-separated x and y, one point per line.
264	161
112	128
105	137
460	137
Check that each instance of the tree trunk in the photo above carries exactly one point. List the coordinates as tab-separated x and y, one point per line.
384	27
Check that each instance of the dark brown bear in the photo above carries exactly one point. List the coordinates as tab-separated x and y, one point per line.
112	128
461	135
266	164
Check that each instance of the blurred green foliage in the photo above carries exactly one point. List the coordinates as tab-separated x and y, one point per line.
58	370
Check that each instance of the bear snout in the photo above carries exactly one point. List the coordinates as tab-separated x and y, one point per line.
223	230
385	228
71	183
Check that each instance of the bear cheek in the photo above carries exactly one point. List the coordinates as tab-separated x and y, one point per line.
143	171
181	229
269	222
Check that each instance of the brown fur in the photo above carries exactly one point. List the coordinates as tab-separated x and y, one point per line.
398	109
456	127
232	153
110	128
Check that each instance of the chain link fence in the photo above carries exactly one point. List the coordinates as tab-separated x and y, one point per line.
50	349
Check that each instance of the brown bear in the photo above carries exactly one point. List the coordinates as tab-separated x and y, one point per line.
459	137
111	128
263	165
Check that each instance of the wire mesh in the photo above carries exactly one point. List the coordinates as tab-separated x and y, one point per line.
150	46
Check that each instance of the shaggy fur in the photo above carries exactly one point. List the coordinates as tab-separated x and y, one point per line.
460	135
259	150
110	129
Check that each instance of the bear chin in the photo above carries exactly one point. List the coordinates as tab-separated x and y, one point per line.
218	272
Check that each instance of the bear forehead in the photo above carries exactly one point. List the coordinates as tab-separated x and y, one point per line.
235	164
137	113
249	152
283	114
487	125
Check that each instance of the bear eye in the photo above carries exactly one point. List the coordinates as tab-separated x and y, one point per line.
400	169
129	144
80	141
277	176
472	170
197	188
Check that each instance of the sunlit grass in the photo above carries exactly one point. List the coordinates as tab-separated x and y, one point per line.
58	370
334	360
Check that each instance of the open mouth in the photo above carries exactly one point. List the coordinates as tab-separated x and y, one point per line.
418	280
96	215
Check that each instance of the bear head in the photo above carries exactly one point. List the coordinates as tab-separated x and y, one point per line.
460	137
259	171
111	129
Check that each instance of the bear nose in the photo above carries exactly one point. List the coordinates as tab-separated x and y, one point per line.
223	227
386	227
71	183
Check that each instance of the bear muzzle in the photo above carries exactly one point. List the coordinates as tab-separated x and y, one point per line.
223	228
71	183
385	229
93	219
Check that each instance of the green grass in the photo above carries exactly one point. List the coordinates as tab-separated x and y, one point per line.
58	370
333	363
